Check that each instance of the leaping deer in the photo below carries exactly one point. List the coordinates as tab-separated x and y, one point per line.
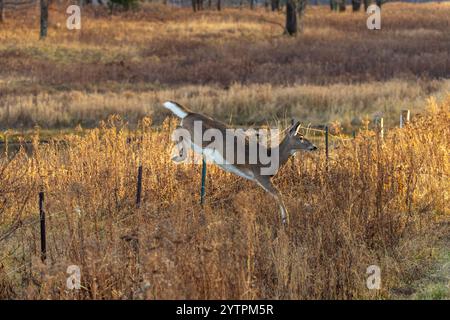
290	144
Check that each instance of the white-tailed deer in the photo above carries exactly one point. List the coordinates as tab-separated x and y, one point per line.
289	145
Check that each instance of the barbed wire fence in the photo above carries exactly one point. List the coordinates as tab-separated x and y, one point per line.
22	243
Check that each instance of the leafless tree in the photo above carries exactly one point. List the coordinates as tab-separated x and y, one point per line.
356	5
301	7
295	10
291	17
366	4
44	18
275	4
2	11
197	5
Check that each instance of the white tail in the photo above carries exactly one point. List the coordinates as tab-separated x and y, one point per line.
176	109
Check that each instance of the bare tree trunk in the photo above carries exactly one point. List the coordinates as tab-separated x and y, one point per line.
356	5
366	4
275	5
44	18
219	5
379	3
252	4
291	18
301	11
341	5
2	11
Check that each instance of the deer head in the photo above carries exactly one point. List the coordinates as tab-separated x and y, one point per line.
295	141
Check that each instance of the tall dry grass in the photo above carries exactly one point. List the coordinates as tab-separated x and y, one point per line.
240	104
379	202
233	62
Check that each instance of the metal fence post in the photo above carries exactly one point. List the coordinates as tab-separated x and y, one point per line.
202	190
139	186
42	220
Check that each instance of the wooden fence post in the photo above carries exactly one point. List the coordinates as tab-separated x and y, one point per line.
380	127
139	186
404	117
202	190
42	220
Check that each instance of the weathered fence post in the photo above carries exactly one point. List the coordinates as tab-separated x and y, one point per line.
139	186
202	190
404	118
326	142
380	127
42	220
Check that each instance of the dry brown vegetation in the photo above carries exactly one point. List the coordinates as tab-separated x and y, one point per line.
128	62
173	46
241	105
379	203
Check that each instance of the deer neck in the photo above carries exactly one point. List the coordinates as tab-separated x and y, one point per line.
284	151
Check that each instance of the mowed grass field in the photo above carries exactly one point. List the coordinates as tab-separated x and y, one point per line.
95	96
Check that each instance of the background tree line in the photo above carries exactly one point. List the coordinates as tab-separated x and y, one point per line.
294	9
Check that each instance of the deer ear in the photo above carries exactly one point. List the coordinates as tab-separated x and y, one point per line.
294	128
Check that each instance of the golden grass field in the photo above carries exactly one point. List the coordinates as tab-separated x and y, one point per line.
383	203
378	202
234	64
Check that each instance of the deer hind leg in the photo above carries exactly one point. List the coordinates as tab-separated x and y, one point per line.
180	150
180	153
265	183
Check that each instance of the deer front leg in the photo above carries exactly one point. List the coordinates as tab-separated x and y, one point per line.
265	183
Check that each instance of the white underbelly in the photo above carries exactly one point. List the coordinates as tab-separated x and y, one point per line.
216	157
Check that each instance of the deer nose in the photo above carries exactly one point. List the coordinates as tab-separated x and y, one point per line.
313	148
